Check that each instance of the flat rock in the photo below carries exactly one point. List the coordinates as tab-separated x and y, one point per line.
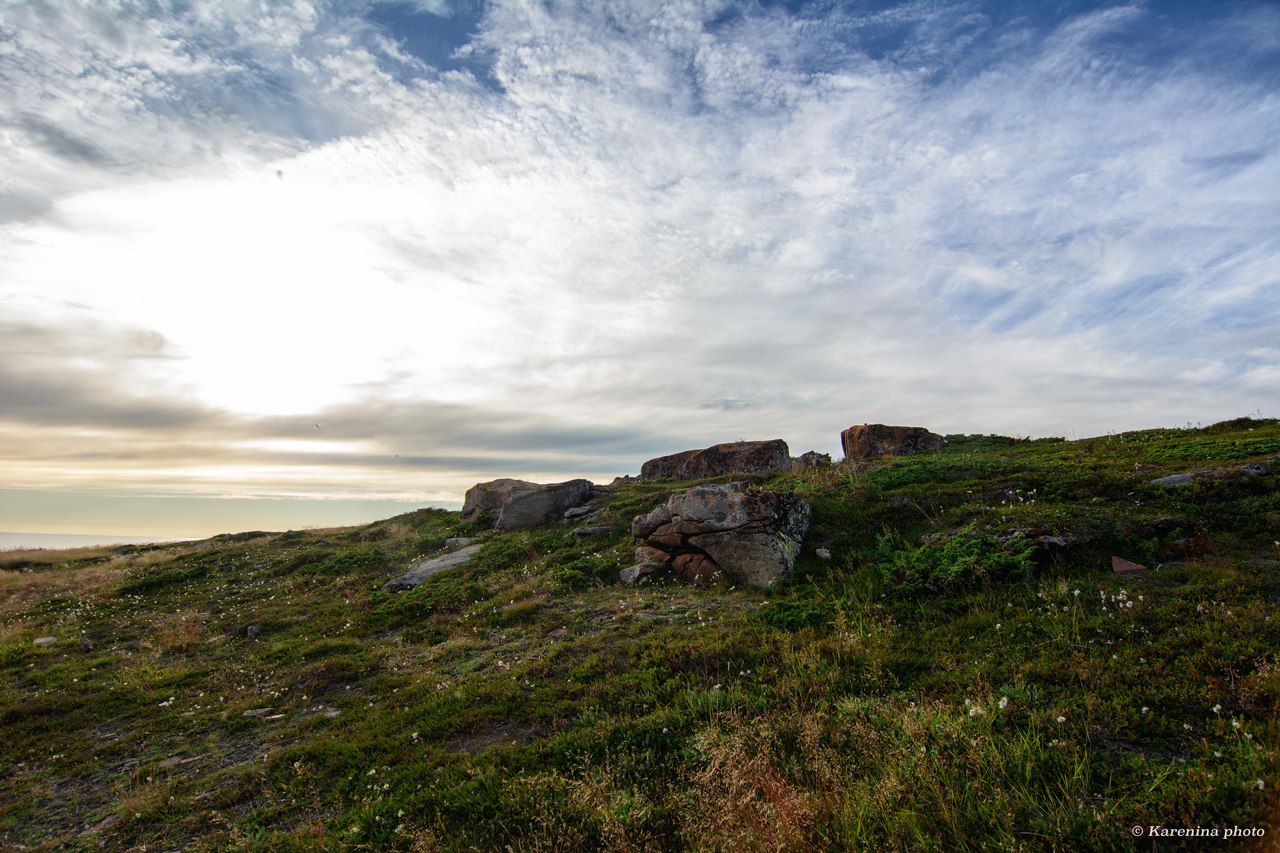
46	641
427	568
591	531
1175	480
454	543
737	457
867	441
638	573
1122	566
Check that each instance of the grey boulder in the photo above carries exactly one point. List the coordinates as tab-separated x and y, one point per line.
518	503
752	536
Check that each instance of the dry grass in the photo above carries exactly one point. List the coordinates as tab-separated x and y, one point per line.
742	799
178	632
40	558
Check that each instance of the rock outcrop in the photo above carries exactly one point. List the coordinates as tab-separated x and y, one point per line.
1251	469
812	459
427	568
518	503
736	457
866	441
753	537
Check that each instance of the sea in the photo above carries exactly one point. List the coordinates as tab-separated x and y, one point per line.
10	541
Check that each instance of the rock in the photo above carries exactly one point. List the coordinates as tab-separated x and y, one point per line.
638	573
1123	566
258	712
643	525
1175	480
823	553
46	641
738	457
427	568
751	536
105	824
579	512
812	459
646	554
624	479
591	531
456	543
696	567
86	645
1190	546
866	441
1250	469
558	632
517	503
253	630
1258	469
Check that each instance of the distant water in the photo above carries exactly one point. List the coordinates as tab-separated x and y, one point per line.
10	541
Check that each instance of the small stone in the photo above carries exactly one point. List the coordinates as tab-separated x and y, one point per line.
46	641
456	542
558	632
253	630
1123	566
258	712
823	553
105	824
636	574
86	645
591	531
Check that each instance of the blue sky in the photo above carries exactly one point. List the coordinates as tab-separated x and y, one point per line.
364	253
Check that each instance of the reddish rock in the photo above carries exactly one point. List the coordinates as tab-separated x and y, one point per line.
1123	566
866	441
696	567
738	457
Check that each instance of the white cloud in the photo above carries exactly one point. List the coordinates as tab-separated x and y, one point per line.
708	224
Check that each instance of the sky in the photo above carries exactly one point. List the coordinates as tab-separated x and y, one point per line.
268	265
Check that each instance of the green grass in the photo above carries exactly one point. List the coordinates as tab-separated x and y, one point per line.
949	679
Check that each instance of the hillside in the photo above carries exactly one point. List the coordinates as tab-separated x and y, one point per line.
964	670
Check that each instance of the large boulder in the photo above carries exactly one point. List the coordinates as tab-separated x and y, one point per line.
866	441
753	537
735	457
518	503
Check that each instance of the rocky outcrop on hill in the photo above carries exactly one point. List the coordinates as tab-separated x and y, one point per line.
736	457
866	441
1251	469
812	459
427	568
752	536
518	503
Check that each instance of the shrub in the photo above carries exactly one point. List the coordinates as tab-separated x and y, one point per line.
947	566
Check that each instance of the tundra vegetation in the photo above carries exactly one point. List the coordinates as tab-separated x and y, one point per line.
964	670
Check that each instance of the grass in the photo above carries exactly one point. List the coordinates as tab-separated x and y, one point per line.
963	672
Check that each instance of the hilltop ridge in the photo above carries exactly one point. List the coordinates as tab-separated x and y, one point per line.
953	662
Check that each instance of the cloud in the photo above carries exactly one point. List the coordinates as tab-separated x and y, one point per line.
555	239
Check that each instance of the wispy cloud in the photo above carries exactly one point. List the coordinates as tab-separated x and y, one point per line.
556	235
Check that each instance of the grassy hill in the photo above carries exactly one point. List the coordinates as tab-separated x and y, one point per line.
964	671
